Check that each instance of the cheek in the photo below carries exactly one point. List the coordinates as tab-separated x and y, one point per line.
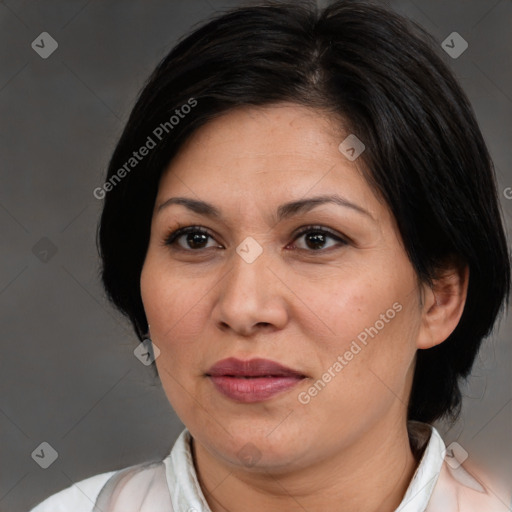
176	310
173	305
373	323
355	306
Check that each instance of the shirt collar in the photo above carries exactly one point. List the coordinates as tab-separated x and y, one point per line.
426	438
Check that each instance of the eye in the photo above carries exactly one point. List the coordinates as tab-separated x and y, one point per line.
316	237
194	237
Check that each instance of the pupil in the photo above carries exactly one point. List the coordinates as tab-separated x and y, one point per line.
194	239
318	239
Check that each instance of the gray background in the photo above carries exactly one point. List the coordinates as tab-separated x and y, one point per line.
67	370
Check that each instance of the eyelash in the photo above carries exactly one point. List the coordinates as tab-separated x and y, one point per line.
172	237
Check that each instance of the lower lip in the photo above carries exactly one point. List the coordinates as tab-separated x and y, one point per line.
255	389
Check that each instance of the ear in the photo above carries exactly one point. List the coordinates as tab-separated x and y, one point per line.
443	304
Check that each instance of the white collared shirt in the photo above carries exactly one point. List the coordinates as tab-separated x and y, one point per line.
440	484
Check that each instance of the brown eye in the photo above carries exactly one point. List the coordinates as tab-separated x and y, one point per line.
193	238
316	238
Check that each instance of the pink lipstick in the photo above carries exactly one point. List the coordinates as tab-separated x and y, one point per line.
254	380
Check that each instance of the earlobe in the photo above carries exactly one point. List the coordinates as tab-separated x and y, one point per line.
443	305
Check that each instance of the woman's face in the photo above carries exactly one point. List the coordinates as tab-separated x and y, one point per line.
338	304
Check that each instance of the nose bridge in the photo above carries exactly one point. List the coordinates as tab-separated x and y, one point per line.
249	294
249	271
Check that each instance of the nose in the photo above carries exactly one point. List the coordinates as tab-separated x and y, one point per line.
251	297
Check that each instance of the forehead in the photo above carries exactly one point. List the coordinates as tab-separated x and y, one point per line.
265	155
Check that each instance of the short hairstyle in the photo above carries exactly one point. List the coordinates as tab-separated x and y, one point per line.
380	75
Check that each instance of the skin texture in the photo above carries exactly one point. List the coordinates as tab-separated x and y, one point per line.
347	448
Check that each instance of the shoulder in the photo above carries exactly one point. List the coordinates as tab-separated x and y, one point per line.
79	497
142	488
466	487
445	481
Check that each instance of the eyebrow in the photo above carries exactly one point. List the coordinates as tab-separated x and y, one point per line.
284	211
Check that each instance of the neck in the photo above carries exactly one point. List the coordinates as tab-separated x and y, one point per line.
372	474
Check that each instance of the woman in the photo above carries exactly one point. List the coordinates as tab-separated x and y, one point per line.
301	215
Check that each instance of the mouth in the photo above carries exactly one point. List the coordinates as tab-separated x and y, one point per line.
253	380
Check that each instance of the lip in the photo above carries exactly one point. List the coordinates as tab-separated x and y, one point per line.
253	380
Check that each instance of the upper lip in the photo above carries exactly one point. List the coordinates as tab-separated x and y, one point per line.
251	368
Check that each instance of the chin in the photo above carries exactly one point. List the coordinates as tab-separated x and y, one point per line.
256	445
